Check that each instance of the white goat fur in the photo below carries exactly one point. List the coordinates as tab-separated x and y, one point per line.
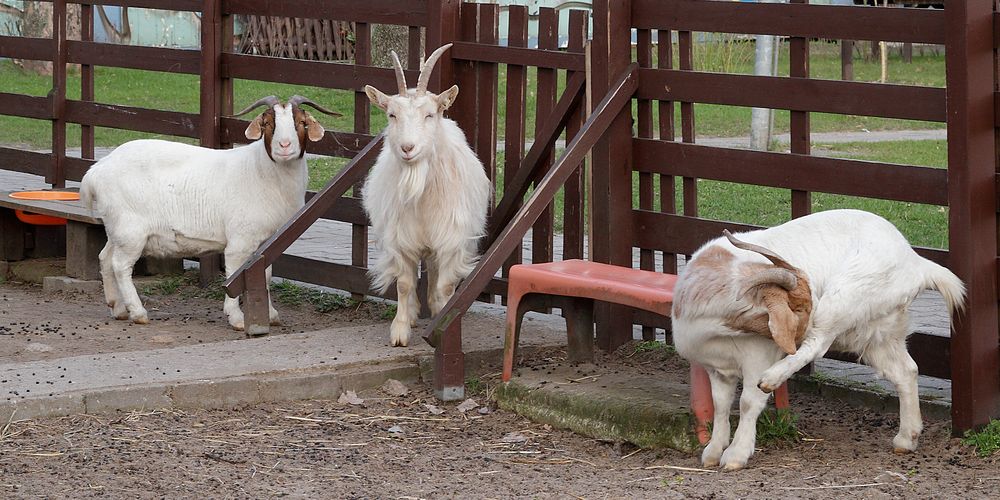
167	199
426	197
863	276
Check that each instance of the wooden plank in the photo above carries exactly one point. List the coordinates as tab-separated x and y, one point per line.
644	111
370	11
135	57
667	116
573	190
362	125
972	217
543	232
794	171
812	21
342	144
181	5
86	81
514	125
487	75
29	162
931	352
26	106
18	47
797	94
686	62
315	73
56	176
611	167
73	210
520	56
76	167
799	120
132	118
682	234
617	98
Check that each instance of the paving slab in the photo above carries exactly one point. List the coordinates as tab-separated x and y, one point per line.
318	364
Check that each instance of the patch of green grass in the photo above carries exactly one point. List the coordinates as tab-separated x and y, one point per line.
166	285
473	386
777	426
388	312
288	293
986	441
654	346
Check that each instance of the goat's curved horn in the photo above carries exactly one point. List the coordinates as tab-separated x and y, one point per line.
270	100
428	68
296	100
771	256
781	277
400	77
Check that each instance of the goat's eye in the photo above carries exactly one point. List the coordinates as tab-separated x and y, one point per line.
392	116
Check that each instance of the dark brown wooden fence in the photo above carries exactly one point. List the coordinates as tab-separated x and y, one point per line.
620	148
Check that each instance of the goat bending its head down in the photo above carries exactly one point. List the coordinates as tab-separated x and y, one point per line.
168	199
426	197
740	316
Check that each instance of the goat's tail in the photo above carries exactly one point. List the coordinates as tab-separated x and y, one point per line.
943	280
87	193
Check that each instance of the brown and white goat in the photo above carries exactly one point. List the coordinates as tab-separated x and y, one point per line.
168	199
763	304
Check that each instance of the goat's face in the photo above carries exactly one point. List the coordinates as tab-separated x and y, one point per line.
414	120
284	129
780	288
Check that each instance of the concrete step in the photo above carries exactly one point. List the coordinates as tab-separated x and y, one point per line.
647	412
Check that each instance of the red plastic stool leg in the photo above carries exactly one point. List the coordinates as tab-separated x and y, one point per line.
511	335
781	397
701	402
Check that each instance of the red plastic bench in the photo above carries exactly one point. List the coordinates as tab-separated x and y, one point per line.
576	284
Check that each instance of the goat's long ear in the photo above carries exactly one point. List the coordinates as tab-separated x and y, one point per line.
447	98
254	130
314	130
377	97
781	321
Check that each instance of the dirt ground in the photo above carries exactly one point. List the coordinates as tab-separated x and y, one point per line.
398	447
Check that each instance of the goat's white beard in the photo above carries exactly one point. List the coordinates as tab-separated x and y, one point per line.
412	181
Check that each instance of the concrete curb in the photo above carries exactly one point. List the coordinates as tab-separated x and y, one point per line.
229	392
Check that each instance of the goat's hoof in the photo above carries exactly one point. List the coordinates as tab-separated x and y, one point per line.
766	388
901	445
139	319
733	466
711	455
399	333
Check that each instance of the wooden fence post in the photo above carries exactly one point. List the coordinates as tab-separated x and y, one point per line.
57	174
211	105
612	165
449	360
972	219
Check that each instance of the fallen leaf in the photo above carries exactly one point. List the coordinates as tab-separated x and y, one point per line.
350	397
484	410
467	405
396	429
394	387
433	409
513	437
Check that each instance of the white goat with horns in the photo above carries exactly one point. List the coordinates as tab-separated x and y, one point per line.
840	279
426	197
168	199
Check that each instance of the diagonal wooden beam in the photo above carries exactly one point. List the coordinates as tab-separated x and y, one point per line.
551	128
597	123
271	249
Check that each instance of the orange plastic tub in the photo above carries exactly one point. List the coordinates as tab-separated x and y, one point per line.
40	219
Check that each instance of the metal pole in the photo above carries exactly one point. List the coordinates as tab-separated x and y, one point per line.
764	65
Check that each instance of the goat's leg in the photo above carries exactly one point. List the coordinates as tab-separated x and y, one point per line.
272	313
813	347
892	361
723	390
122	261
406	291
752	402
445	280
433	301
111	294
235	255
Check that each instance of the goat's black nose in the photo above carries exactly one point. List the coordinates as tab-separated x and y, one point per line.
406	147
